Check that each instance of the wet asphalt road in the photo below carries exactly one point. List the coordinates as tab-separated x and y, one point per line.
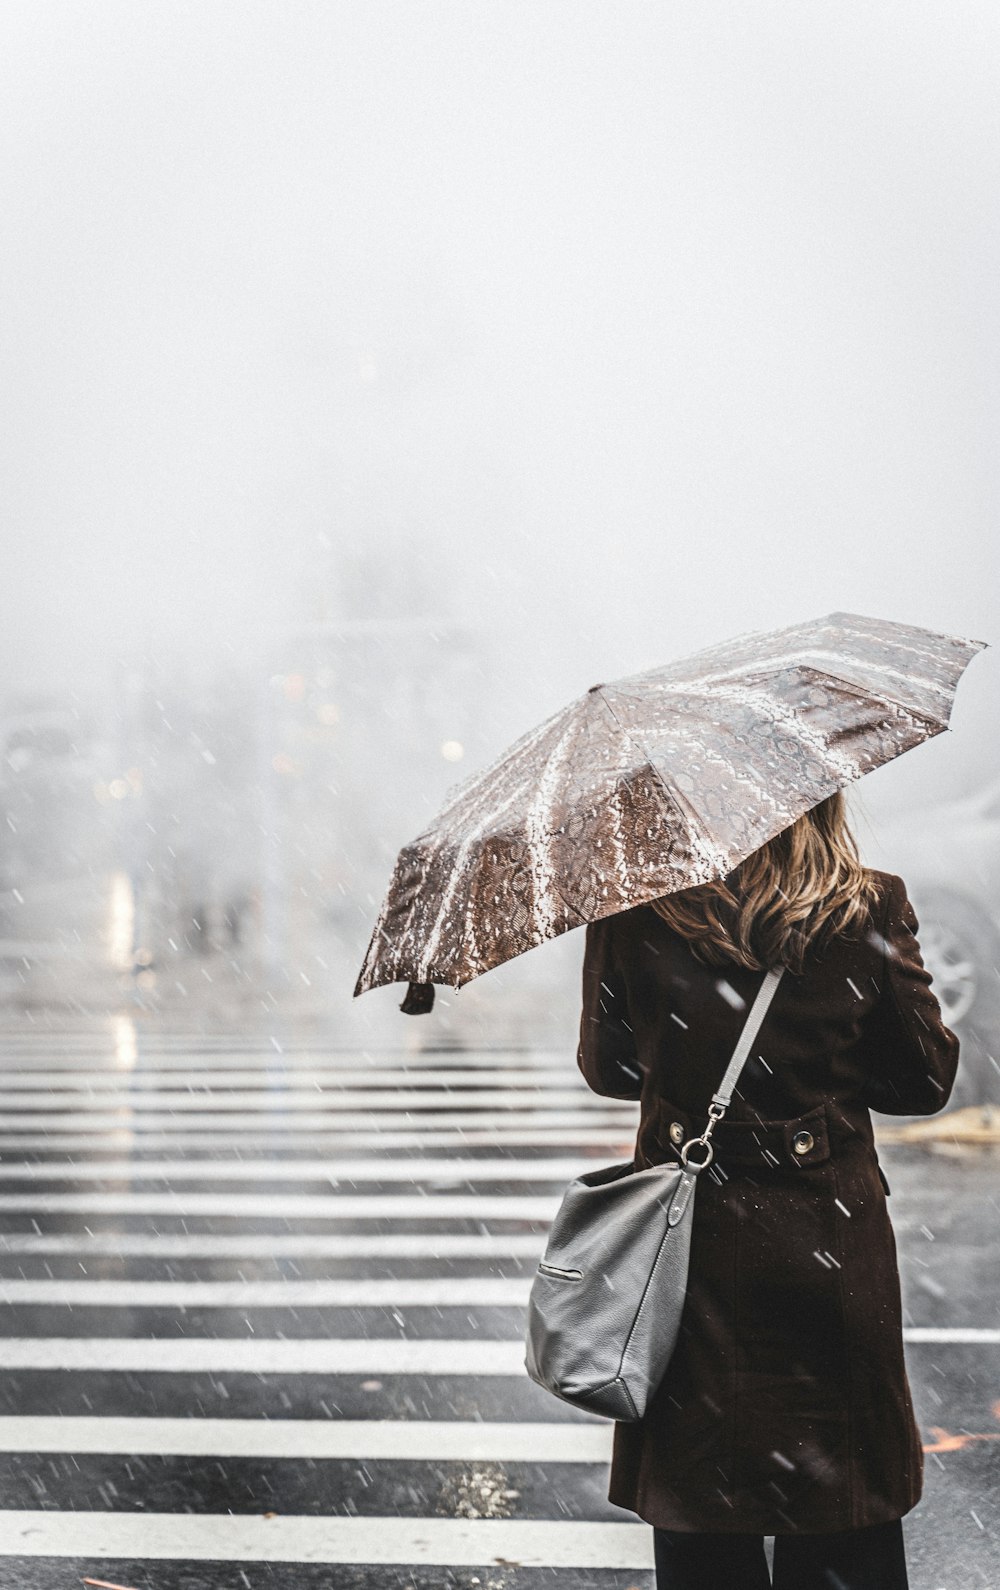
261	1315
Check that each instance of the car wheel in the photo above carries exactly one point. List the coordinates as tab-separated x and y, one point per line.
961	950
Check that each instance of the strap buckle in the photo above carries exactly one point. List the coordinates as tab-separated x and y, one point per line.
715	1113
697	1142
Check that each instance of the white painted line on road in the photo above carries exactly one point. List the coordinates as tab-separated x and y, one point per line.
455	1291
263	1356
367	1062
326	1170
418	1440
279	1120
291	1206
444	1542
948	1335
445	1291
308	1356
333	1141
360	1061
323	1244
204	1081
319	1101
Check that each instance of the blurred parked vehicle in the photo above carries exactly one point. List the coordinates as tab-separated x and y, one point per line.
949	856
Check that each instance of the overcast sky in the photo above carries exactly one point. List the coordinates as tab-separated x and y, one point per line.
638	325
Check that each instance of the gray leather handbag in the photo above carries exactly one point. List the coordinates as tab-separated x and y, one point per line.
606	1301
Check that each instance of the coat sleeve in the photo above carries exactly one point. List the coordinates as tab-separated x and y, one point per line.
607	1052
914	1055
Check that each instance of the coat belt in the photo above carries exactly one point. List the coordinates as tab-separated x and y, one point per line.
803	1141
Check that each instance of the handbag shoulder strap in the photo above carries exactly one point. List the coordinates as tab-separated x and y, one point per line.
758	1010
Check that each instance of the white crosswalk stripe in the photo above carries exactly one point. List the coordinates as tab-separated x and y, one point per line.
278	1119
449	1163
265	1355
618	1136
407	1542
289	1206
201	1056
327	1080
314	1100
343	1171
278	1244
447	1291
425	1440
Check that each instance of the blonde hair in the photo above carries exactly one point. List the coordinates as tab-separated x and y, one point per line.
792	895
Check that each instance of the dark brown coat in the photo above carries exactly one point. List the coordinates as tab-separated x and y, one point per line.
786	1405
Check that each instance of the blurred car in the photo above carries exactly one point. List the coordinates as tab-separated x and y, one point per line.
949	857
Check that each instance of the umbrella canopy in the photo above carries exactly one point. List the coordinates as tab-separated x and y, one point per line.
654	783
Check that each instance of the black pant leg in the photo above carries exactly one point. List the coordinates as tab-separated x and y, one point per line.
853	1559
709	1562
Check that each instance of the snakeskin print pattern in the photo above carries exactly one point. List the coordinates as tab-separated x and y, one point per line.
653	783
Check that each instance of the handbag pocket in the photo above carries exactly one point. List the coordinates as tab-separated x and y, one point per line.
558	1273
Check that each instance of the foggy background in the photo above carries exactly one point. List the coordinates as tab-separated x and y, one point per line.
378	377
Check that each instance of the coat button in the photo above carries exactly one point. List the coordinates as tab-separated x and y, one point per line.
676	1132
802	1142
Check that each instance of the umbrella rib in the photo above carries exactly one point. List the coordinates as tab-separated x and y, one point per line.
848	625
468	938
477	821
698	833
726	677
730	687
729	674
871	693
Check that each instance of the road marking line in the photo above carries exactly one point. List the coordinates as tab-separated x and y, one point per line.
951	1335
279	1120
263	1355
322	1244
291	1206
294	1138
364	1060
420	1440
204	1081
458	1291
304	1356
445	1291
326	1170
319	1101
444	1542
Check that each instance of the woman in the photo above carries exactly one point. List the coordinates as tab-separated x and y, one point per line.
785	1410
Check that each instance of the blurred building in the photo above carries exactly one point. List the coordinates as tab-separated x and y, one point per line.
367	723
236	822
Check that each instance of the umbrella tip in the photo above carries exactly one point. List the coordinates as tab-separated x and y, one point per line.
590	692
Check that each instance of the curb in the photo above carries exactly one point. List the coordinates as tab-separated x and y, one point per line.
977	1123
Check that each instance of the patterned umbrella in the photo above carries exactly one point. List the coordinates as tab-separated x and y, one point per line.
651	784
